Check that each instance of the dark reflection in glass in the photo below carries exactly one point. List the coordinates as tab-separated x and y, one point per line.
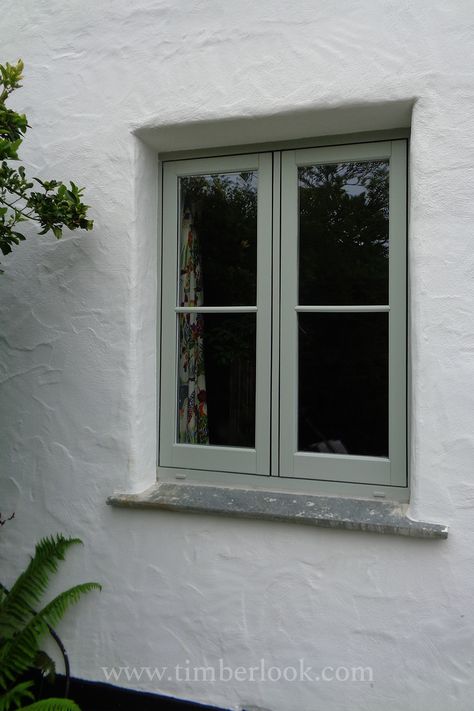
343	383
222	210
216	379
343	233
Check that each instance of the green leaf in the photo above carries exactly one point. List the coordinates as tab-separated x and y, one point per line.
5	247
54	206
52	705
15	696
21	628
18	652
31	585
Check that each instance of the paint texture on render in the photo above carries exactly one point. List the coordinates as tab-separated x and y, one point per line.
78	355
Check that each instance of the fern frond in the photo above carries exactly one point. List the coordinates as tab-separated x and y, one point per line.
14	697
27	591
54	611
52	705
18	653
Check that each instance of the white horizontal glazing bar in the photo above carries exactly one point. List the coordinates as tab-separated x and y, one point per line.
215	309
342	309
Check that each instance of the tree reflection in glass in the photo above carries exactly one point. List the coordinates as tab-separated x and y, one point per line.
343	261
343	233
223	212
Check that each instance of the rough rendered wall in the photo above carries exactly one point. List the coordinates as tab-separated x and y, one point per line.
77	342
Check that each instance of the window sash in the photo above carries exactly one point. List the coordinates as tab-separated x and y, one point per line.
391	471
187	456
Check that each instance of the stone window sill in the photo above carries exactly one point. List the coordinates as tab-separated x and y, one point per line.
324	511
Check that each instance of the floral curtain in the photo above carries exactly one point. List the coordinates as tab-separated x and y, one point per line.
193	424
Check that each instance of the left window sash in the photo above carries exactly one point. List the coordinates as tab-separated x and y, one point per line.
176	311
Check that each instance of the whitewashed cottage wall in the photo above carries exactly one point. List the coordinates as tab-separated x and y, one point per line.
77	339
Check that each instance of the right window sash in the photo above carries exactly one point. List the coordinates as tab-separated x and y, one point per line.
343	354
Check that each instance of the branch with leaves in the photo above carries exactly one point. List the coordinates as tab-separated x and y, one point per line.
50	203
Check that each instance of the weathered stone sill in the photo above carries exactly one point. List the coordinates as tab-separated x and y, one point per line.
324	511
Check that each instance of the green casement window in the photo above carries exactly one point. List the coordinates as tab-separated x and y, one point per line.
283	314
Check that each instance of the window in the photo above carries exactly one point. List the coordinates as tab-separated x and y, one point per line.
283	315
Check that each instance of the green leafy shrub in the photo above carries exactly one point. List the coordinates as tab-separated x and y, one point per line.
52	204
21	628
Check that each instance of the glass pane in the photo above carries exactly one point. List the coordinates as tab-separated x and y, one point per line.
343	233
216	379
343	383
218	251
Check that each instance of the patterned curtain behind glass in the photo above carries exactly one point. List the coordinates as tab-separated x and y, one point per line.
193	424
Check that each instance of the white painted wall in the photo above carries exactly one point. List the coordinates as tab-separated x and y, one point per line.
77	339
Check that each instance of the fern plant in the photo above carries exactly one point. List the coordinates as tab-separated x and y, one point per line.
21	628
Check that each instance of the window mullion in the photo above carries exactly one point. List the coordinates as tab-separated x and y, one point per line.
264	315
276	309
288	315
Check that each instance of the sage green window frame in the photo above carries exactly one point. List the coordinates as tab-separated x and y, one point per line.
275	454
189	456
390	471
